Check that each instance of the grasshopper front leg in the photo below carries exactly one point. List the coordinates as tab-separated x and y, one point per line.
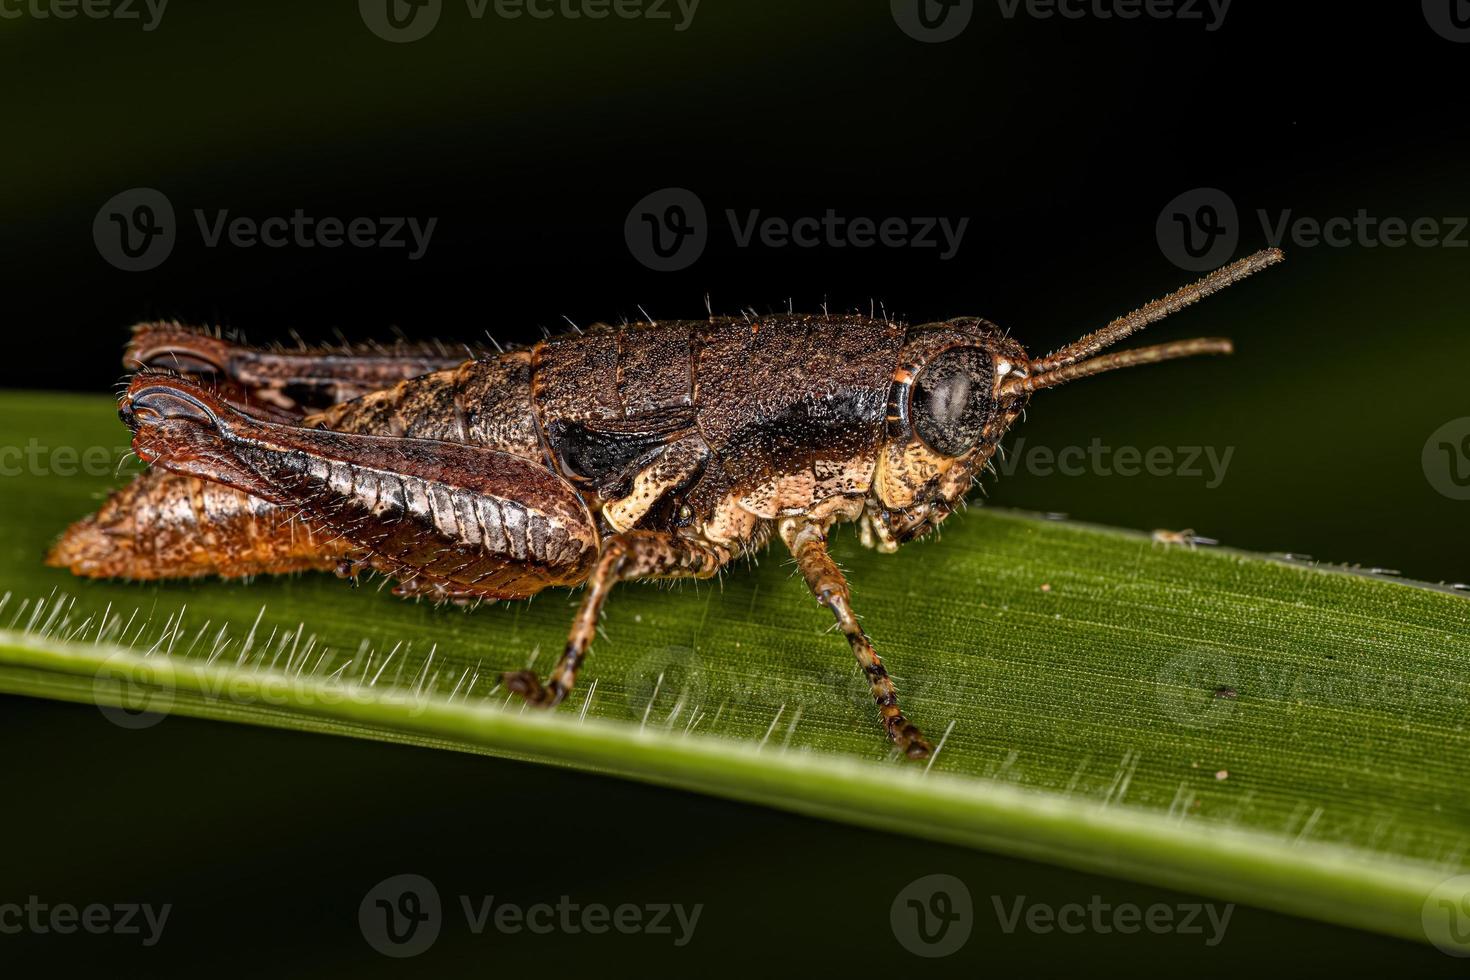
629	555
808	544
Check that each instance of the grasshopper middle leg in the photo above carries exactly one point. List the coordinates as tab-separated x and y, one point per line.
629	555
808	544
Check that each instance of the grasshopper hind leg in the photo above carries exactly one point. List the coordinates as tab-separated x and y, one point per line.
448	521
283	384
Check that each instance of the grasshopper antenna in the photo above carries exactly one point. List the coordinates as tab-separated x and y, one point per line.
1076	360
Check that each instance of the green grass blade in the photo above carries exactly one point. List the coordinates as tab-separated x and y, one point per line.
1243	728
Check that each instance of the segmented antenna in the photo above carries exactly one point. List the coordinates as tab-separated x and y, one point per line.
1076	361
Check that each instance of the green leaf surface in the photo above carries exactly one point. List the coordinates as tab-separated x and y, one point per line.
1251	729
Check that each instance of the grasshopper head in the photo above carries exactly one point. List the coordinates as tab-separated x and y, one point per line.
947	412
961	384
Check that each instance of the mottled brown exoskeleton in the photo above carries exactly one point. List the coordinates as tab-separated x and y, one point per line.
654	450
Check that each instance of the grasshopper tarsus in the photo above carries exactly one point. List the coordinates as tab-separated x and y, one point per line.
528	687
913	745
654	450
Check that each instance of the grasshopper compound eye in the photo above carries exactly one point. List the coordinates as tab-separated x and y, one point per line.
953	399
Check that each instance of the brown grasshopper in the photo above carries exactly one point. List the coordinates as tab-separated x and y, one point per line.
654	450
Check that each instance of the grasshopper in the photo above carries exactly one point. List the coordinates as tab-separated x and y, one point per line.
647	451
